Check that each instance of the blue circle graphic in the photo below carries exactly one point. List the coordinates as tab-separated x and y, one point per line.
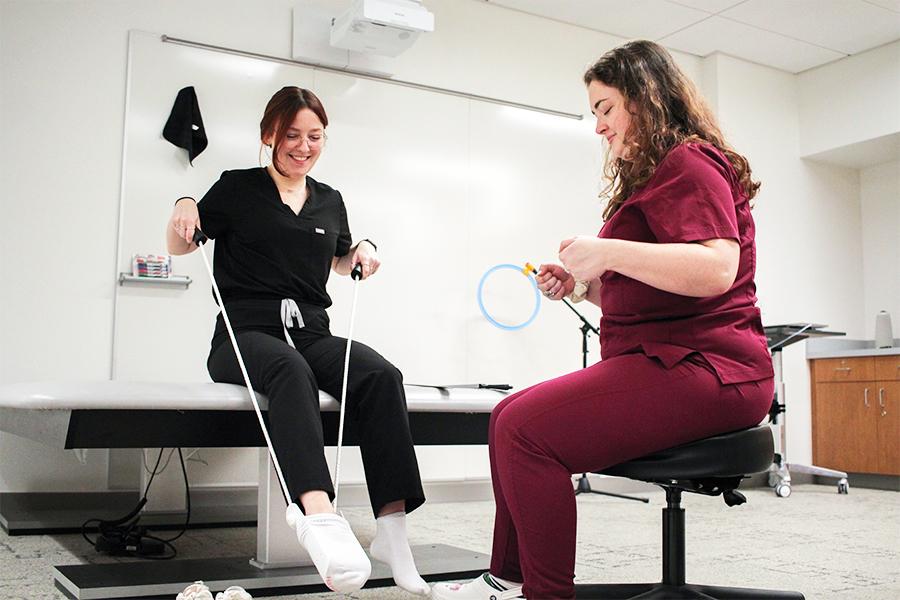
493	321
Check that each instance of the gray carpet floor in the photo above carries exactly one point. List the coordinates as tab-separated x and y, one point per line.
818	542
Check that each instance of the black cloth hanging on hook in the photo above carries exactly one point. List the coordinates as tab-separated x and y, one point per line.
185	125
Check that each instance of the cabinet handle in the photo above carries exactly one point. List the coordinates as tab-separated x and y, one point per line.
866	397
844	368
881	401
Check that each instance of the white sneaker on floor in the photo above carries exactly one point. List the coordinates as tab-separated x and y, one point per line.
486	587
235	592
196	591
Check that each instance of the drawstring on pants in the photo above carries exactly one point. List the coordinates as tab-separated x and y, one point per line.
289	312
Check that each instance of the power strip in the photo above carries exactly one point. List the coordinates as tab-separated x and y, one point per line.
135	543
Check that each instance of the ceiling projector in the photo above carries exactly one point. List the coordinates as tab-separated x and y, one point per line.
385	27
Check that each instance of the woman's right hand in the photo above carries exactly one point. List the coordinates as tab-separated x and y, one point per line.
180	230
185	219
554	281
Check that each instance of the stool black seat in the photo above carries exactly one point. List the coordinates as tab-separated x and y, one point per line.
712	466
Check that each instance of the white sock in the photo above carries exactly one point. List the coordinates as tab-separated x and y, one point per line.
391	546
327	537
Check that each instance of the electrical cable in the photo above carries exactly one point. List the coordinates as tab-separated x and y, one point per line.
187	500
123	536
165	464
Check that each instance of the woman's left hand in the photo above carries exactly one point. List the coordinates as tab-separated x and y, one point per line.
583	256
367	256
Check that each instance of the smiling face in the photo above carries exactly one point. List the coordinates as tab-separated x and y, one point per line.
613	118
299	149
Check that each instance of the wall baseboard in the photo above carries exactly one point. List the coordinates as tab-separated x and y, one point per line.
872	481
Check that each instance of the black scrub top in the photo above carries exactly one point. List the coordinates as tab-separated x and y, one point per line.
265	253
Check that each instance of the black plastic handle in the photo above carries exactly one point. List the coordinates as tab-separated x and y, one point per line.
356	273
199	237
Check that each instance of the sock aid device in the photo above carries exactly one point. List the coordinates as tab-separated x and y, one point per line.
200	239
355	274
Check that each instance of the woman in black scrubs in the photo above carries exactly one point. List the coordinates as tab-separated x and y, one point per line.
278	235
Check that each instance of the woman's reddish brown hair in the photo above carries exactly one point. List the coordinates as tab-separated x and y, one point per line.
280	113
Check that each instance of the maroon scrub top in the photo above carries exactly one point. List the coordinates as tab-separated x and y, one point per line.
693	195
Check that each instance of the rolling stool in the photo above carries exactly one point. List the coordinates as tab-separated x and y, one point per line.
711	466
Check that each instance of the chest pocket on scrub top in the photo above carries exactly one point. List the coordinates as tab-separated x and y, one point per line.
315	242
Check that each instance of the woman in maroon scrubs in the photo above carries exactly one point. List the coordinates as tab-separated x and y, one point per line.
684	356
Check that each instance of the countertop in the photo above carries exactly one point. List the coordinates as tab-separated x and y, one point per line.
843	347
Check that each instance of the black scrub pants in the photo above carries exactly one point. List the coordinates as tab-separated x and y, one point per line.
291	379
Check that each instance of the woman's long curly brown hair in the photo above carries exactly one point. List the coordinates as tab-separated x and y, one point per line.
666	110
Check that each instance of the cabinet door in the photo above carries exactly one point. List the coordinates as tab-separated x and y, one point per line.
844	427
888	406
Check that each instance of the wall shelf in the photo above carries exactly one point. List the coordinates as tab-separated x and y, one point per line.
172	280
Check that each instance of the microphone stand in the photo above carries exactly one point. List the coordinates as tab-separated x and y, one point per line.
584	486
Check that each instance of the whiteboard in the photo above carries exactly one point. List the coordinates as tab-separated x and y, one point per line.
446	186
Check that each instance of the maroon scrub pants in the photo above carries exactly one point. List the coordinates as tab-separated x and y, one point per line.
614	411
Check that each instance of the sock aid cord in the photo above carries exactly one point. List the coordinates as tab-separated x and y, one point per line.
200	239
355	275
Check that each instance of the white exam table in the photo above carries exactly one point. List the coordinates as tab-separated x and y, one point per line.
117	414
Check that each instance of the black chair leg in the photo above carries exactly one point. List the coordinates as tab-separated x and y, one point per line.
673	586
659	591
612	591
726	593
668	592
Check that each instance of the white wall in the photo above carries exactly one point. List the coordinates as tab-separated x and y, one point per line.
850	115
853	100
880	196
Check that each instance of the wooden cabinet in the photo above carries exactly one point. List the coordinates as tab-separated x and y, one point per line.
843	369
856	414
889	427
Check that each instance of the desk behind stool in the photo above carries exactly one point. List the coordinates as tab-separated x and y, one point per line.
115	414
777	338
